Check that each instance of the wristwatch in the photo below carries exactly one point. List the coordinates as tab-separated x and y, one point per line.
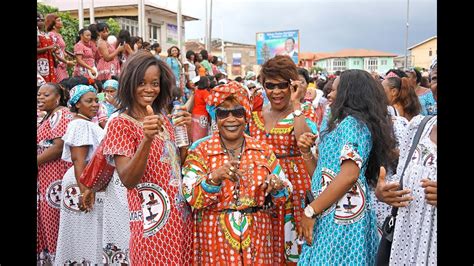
297	112
309	212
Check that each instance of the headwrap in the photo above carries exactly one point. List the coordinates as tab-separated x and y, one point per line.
111	83
221	92
391	75
78	91
250	75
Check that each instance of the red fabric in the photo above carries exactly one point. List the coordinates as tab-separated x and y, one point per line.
61	69
88	56
97	173
45	61
200	97
257	103
107	69
220	93
170	244
49	179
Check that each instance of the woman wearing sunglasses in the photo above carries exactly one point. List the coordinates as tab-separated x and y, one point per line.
231	179
280	124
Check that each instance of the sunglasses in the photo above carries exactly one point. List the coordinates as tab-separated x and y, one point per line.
222	113
281	85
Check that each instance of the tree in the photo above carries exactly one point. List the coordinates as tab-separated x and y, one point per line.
114	27
316	69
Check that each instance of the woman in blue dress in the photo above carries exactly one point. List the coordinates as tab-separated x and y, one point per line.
339	225
425	95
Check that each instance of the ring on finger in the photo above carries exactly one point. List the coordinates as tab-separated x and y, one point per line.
230	173
232	168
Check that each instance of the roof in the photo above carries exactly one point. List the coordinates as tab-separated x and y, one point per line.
425	41
344	54
150	5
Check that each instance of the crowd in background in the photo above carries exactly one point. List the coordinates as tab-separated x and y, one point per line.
282	167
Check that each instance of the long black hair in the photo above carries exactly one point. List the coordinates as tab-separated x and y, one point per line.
133	73
358	95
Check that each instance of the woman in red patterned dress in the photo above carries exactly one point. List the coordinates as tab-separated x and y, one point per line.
280	124
85	50
52	99
141	144
44	52
232	180
53	26
108	64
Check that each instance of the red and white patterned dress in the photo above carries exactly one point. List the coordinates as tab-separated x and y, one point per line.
283	142
61	69
160	220
222	234
49	183
107	69
45	61
88	52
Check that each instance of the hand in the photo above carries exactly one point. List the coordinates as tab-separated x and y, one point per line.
88	199
296	91
120	48
272	183
227	171
152	124
306	228
306	141
390	193
93	72
431	191
71	63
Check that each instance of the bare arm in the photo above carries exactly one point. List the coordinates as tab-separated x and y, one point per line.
299	123
336	189
104	51
52	153
45	49
131	170
78	157
186	74
81	62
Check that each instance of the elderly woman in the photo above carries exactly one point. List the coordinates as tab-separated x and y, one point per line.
52	100
280	124
231	179
80	227
141	144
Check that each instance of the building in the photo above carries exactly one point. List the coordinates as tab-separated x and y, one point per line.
160	21
423	53
399	62
239	58
368	60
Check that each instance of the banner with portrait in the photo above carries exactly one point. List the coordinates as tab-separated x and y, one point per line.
274	43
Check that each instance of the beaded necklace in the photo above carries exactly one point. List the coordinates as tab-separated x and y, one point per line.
231	154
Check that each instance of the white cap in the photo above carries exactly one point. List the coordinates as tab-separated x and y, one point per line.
196	79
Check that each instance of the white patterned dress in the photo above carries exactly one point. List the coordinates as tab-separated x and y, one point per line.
80	233
415	235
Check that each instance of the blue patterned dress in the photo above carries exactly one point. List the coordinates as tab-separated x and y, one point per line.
428	103
345	233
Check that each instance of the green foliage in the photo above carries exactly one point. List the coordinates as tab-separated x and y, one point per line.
45	9
420	69
114	27
316	69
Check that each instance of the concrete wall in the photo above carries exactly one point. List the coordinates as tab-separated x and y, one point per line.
420	54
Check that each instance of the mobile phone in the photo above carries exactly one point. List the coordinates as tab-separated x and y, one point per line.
309	197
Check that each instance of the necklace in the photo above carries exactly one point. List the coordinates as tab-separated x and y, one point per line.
236	192
83	116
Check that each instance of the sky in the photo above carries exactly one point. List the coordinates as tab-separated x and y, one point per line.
324	25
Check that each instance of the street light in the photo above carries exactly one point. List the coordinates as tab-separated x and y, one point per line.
406	37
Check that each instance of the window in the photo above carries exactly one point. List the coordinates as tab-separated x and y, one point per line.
371	64
356	63
383	62
339	64
431	53
251	53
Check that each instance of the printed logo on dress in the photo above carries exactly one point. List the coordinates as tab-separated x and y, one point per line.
351	206
326	178
42	65
156	207
53	194
71	198
55	118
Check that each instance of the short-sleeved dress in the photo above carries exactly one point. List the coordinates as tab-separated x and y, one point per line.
283	141
45	61
346	232
222	234
61	69
428	103
415	235
107	69
49	185
88	52
160	219
80	233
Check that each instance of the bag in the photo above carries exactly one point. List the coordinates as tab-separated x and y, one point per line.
97	173
388	227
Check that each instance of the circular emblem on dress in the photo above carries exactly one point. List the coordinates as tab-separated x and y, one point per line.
55	118
156	207
71	198
350	207
105	258
42	65
119	257
53	194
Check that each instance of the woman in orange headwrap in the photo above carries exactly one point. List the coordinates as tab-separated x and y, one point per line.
231	180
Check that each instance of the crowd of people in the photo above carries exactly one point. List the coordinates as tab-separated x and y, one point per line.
281	168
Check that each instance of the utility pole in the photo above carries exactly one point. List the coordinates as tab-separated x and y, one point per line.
210	29
81	14
141	19
406	37
91	12
179	25
206	37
